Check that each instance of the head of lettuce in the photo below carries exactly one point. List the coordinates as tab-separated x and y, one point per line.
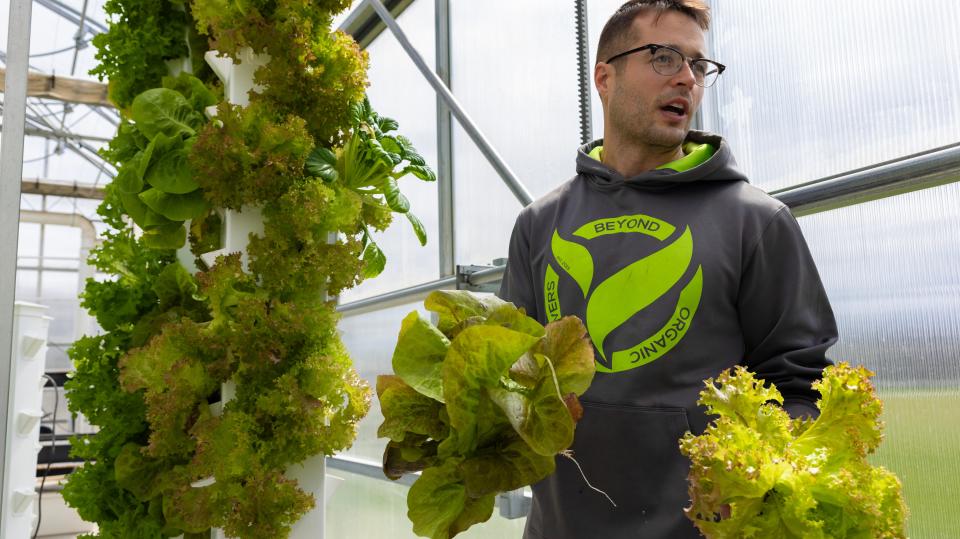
757	473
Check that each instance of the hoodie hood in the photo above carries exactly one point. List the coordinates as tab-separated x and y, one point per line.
721	166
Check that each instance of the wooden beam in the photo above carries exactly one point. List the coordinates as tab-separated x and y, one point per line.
36	186
66	89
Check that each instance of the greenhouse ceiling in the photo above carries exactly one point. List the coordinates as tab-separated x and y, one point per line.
68	118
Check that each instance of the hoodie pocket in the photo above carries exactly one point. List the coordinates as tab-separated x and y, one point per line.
631	453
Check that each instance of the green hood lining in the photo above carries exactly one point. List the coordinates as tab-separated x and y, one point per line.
696	154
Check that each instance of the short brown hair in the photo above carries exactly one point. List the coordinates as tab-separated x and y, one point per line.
615	36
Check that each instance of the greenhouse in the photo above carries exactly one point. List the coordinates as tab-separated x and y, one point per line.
657	269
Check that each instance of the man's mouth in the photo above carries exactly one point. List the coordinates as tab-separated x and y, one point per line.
676	108
674	111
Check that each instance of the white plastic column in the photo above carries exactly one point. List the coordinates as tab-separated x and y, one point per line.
310	474
30	327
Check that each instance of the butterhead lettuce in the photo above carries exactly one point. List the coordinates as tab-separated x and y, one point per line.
481	403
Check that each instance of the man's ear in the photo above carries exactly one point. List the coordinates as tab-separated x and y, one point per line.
602	75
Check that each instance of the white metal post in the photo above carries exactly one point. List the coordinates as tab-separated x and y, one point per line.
11	173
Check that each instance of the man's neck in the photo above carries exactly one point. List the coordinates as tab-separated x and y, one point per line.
631	160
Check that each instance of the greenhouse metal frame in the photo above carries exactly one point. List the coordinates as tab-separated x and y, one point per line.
368	19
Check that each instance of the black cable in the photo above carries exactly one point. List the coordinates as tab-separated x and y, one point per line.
53	449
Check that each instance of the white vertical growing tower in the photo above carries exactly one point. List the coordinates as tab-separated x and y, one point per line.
237	226
30	327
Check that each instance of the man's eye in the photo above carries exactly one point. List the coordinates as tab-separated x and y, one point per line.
701	68
664	59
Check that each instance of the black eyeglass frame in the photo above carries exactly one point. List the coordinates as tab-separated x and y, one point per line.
654	47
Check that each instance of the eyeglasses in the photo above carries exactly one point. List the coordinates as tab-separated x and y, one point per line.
668	61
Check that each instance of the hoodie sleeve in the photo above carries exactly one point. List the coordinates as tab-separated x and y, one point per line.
785	316
517	284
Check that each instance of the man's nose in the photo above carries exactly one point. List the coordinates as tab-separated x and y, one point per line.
685	75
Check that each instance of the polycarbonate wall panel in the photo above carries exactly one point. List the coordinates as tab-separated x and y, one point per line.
370	338
399	91
52	280
598	11
821	87
515	72
366	507
891	271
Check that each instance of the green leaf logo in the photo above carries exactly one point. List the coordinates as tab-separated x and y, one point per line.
635	287
575	259
667	337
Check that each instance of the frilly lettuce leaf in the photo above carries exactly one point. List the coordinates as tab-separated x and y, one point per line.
849	405
757	473
143	476
738	395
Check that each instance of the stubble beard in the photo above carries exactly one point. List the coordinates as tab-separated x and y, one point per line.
641	129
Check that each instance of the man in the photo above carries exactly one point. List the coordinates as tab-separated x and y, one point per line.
679	268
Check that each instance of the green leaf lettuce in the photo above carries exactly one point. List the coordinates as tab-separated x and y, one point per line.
755	472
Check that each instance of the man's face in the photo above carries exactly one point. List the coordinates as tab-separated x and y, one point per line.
635	95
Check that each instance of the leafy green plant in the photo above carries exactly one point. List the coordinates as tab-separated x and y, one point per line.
148	287
297	396
154	181
481	403
142	35
369	164
312	71
245	157
315	76
296	256
164	462
235	25
757	473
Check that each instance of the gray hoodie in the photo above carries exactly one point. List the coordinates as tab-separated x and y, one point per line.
677	276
